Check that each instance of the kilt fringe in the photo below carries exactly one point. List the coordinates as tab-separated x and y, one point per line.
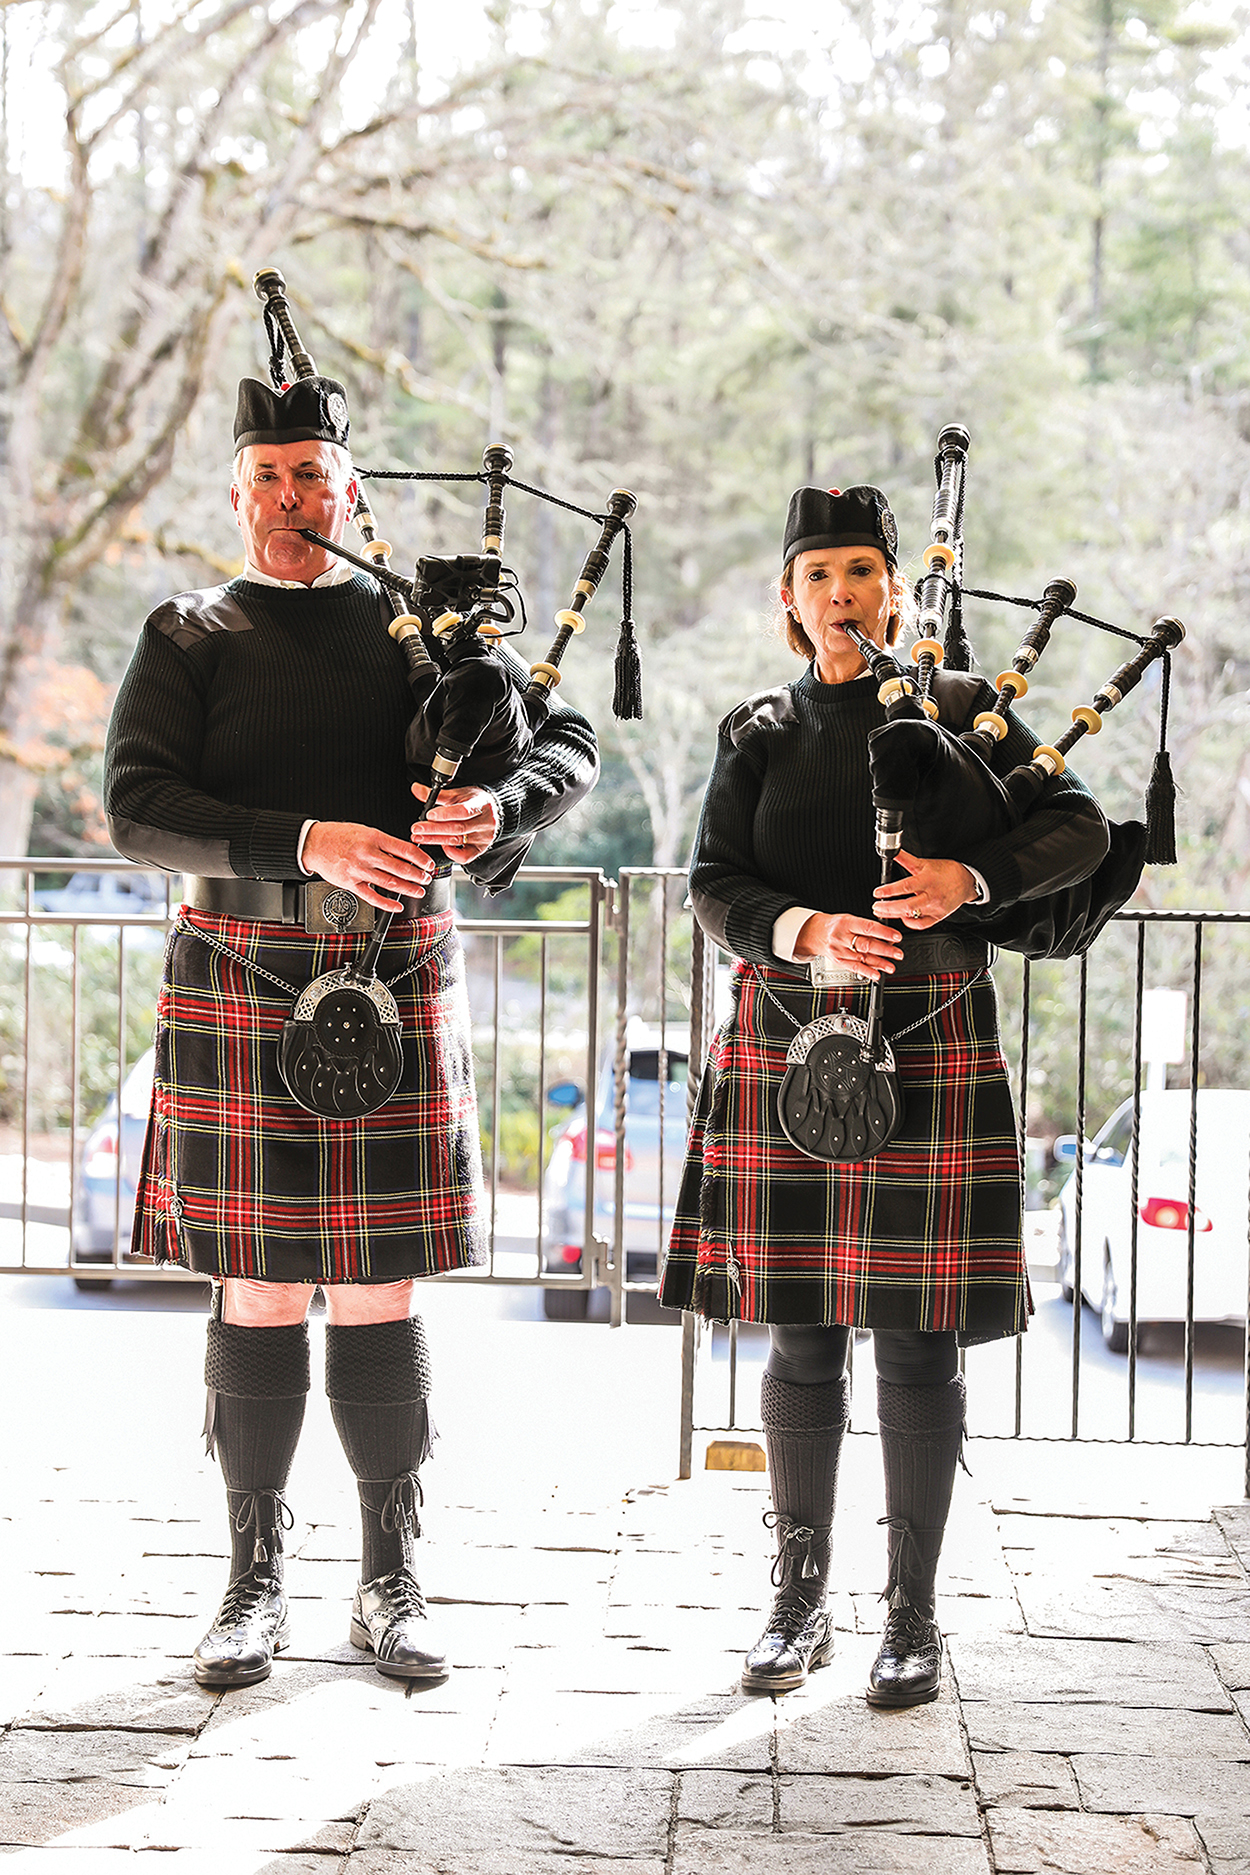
238	1179
925	1235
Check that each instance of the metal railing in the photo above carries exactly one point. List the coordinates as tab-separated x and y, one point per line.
77	995
81	970
1074	1033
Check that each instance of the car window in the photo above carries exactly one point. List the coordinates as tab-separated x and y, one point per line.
644	1086
1113	1147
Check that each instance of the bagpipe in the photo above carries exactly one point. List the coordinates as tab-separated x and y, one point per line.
473	722
935	791
936	794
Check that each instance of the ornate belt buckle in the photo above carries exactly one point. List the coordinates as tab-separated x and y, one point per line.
333	908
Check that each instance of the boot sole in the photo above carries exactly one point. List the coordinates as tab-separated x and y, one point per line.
221	1677
898	1700
787	1682
359	1636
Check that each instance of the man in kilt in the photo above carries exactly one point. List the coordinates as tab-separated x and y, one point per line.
920	1243
257	746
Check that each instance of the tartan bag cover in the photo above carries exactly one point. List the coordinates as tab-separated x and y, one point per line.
238	1179
924	1235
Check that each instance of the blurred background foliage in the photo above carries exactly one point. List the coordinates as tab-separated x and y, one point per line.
694	250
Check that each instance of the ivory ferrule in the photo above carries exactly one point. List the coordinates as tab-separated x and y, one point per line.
1048	760
546	676
895	687
1015	681
1090	718
377	549
939	554
445	622
990	724
570	621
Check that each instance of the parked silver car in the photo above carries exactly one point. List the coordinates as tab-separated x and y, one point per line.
108	1174
1220	1212
651	1175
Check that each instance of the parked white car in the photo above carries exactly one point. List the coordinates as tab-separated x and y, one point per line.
1221	1232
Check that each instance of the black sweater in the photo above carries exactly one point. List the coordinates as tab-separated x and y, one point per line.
788	817
249	709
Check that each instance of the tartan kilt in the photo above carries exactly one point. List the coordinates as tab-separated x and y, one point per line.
237	1179
925	1235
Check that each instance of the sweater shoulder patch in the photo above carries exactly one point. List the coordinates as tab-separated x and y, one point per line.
768	709
190	617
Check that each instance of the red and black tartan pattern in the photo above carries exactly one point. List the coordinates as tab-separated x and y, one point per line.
925	1235
239	1180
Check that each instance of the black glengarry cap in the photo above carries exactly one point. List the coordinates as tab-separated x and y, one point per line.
840	517
312	410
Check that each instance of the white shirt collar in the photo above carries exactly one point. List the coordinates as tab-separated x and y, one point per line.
333	576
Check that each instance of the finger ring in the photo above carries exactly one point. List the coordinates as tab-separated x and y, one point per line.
914	912
855	943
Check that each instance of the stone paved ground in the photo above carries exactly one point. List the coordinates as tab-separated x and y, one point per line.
1098	1613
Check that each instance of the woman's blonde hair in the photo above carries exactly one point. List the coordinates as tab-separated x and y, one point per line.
790	626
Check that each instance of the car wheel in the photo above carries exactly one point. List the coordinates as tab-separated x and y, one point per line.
1114	1333
93	1282
566	1305
1067	1263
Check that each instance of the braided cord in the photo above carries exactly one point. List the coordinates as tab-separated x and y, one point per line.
1066	611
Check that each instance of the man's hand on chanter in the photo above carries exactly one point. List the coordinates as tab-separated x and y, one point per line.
463	821
367	862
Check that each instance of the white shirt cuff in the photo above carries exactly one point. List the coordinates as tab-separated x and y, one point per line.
983	891
787	928
304	832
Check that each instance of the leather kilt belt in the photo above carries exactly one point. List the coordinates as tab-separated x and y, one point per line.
925	1235
310	903
238	1179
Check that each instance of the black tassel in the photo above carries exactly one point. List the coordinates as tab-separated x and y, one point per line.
957	652
1161	813
1161	794
627	694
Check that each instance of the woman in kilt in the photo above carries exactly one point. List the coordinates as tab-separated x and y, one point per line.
920	1243
257	745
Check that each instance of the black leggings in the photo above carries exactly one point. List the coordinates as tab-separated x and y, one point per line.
811	1357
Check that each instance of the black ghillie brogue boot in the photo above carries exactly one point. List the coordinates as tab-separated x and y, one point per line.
803	1428
251	1626
908	1667
798	1634
389	1617
921	1440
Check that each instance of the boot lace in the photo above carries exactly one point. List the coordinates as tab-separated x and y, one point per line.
244	1599
267	1514
404	1599
794	1541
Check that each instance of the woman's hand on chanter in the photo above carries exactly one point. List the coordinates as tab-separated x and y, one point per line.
854	943
933	889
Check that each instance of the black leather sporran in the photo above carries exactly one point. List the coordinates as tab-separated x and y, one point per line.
341	1053
840	1098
